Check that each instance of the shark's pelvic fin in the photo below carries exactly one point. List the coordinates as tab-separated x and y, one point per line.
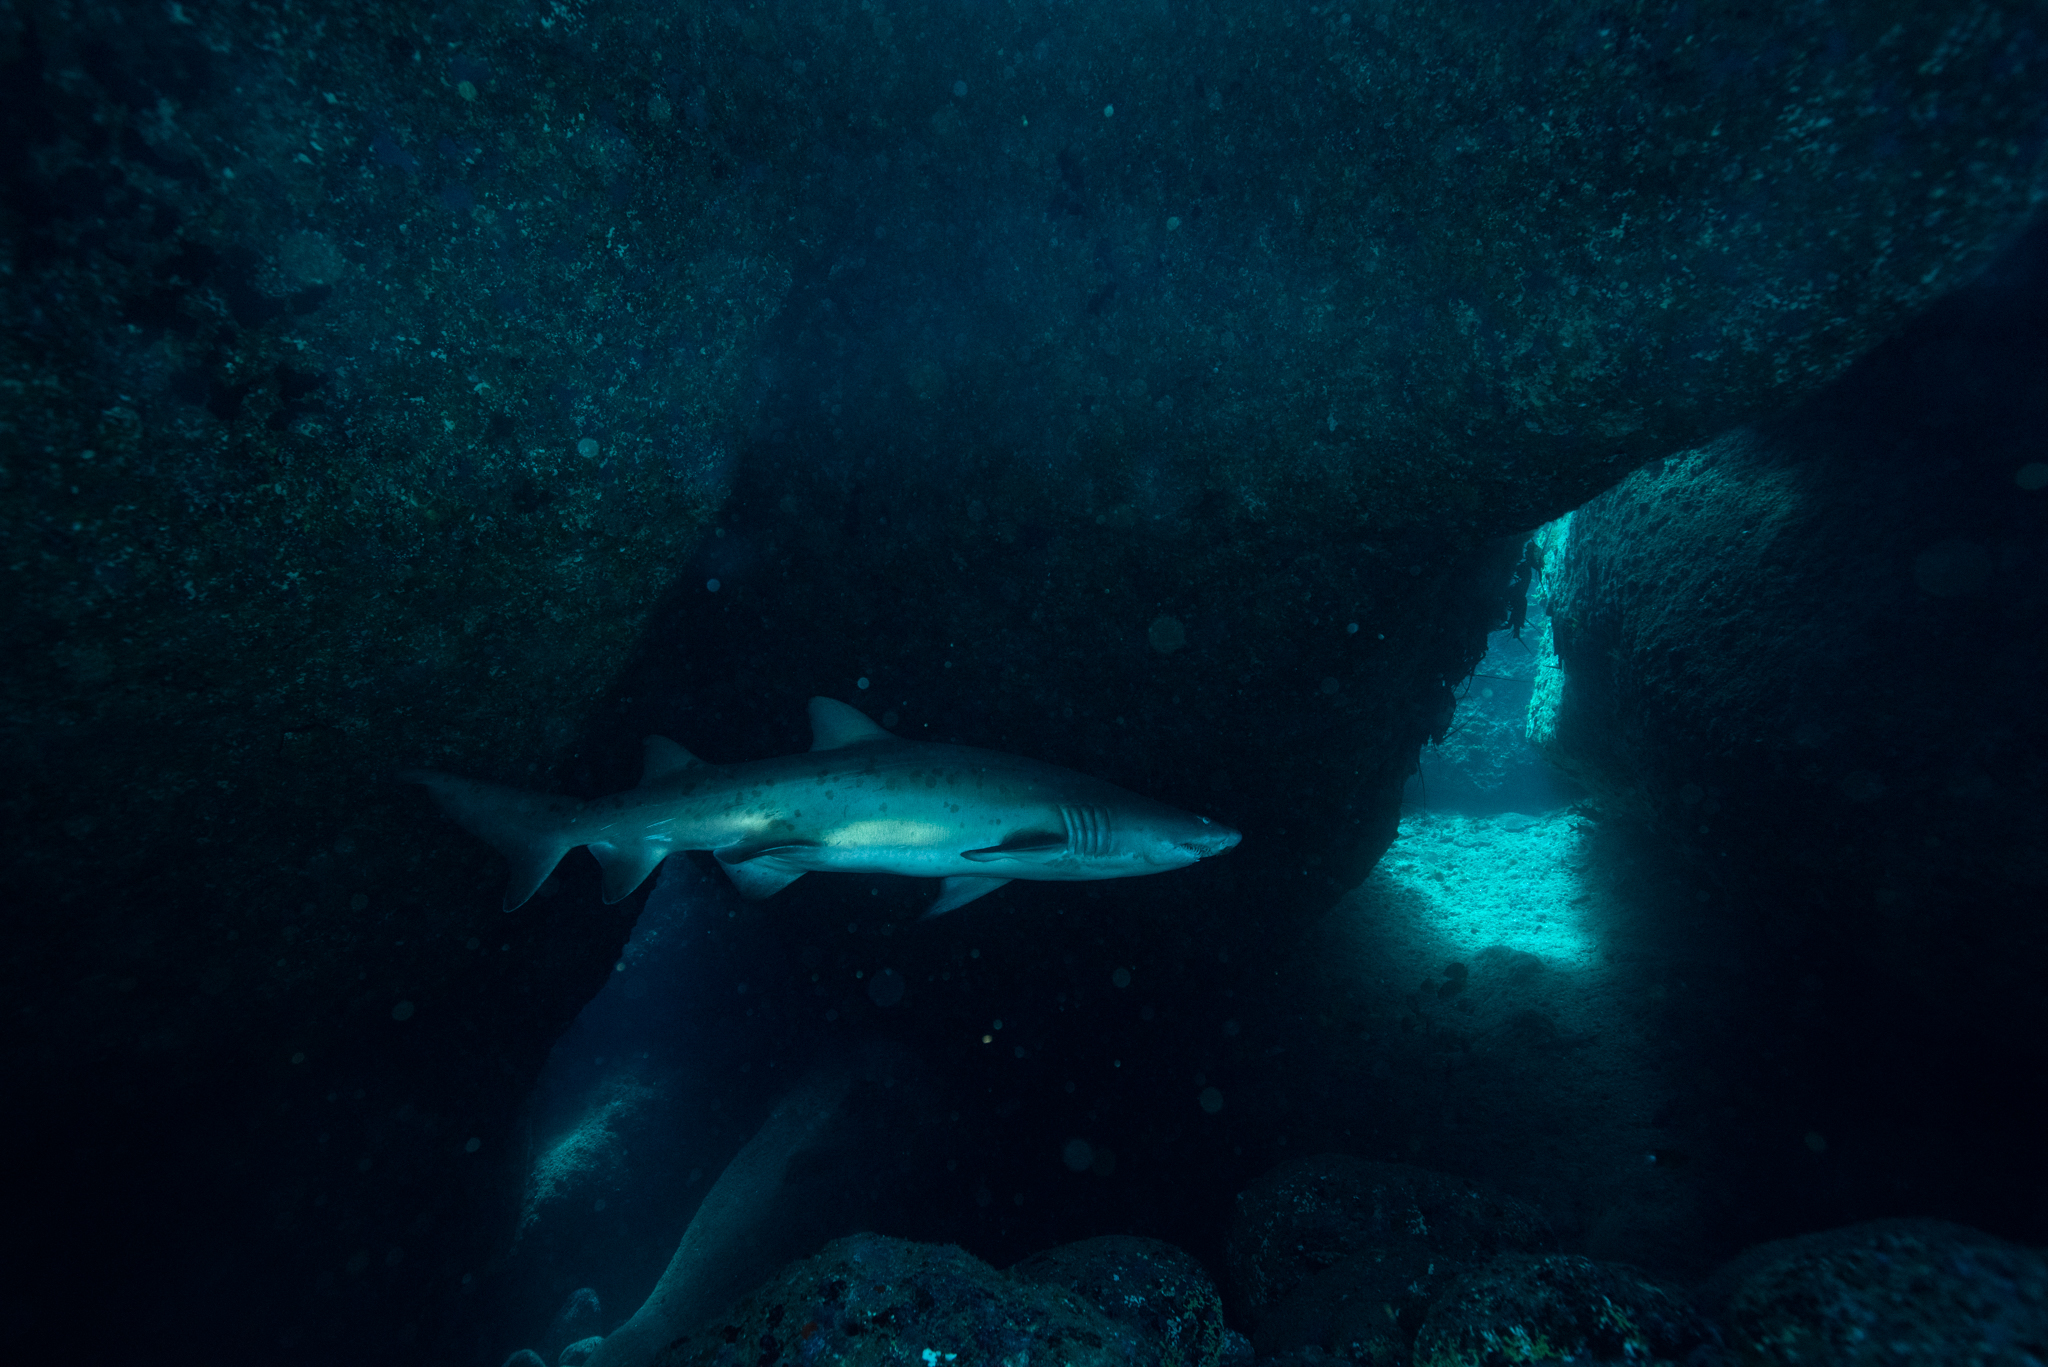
760	869
955	893
760	877
834	724
529	829
664	757
626	866
1036	846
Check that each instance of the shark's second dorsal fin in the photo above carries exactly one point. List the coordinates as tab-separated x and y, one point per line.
664	757
834	724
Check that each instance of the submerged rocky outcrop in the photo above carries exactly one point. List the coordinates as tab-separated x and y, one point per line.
378	385
1897	1290
1522	1308
1886	1291
869	1299
1805	661
1312	1214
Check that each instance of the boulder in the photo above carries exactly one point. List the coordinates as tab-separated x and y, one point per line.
1161	1293
1522	1308
1393	1223
1891	1291
1362	1309
870	1299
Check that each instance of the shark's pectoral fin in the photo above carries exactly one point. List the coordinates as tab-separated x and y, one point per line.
626	866
1034	846
955	893
761	877
662	758
731	855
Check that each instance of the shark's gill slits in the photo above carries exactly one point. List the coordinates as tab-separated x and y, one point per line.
1087	831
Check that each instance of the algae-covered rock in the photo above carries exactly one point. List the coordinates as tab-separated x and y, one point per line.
874	1300
1412	265
1558	1308
1363	1309
1892	1291
1155	1288
1309	1214
352	416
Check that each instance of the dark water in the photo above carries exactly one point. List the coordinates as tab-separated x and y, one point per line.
1568	484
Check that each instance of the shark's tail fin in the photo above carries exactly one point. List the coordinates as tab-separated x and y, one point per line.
530	829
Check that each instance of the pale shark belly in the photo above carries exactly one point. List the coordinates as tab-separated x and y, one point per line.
914	861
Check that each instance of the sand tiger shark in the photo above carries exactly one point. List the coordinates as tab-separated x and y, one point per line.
861	801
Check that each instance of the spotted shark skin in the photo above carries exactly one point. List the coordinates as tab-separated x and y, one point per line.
860	801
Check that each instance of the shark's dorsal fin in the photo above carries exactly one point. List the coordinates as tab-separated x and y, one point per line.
663	757
835	725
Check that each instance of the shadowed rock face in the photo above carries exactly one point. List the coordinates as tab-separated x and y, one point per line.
369	383
1312	1214
1807	657
1377	268
354	432
1925	1288
868	1299
1571	1308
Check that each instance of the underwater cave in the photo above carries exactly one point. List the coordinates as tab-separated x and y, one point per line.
1528	526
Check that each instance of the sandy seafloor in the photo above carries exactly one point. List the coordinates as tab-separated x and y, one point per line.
1506	997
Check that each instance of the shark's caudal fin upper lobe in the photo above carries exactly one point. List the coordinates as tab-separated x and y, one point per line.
530	829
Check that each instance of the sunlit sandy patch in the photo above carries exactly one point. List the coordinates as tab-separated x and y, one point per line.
1502	880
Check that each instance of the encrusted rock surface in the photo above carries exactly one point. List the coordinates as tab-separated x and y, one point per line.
1311	1213
870	1299
1560	1308
363	381
1155	1288
1892	1291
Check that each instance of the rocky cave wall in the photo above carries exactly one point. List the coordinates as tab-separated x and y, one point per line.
1807	659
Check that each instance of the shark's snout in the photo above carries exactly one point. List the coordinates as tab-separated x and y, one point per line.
1213	839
